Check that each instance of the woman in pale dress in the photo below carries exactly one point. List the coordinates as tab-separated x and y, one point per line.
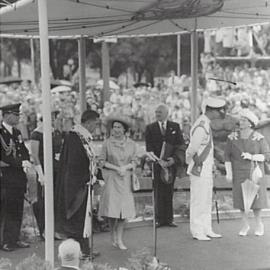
244	147
118	159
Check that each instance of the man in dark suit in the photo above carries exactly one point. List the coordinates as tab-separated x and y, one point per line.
156	134
14	159
69	253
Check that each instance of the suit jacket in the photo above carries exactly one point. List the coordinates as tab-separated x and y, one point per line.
12	152
173	138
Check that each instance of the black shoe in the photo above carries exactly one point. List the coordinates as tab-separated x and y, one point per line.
7	248
172	224
158	225
21	244
88	256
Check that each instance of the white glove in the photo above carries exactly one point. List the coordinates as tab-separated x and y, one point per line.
228	167
258	157
26	164
246	155
41	177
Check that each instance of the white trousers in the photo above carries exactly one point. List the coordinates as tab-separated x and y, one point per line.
200	205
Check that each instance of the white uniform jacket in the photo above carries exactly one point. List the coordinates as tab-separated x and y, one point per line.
200	135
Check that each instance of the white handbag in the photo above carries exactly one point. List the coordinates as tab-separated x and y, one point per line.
256	174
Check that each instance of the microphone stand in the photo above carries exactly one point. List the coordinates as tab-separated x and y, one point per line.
91	238
154	210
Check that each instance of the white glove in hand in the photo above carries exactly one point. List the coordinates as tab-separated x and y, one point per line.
258	157
228	167
26	164
246	155
41	177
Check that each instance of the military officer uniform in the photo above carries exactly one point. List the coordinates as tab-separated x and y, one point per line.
14	156
200	160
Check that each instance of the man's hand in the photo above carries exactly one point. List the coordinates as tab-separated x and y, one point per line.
26	164
41	177
150	156
170	161
163	163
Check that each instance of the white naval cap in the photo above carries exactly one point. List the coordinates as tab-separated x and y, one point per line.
212	102
249	115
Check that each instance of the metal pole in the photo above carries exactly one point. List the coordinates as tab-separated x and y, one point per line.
33	61
194	72
47	133
105	71
154	201
178	55
82	84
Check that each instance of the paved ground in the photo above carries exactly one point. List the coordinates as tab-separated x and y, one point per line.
176	247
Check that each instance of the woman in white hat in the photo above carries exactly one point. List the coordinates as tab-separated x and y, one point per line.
118	159
245	149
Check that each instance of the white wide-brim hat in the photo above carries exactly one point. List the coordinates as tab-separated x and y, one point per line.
249	115
117	118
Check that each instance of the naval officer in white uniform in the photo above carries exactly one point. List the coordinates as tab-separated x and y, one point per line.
200	160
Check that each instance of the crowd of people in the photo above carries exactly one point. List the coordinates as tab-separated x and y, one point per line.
238	84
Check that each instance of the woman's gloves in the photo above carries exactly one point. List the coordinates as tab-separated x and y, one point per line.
228	168
41	177
256	157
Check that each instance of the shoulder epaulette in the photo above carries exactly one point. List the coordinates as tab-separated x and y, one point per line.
233	136
257	136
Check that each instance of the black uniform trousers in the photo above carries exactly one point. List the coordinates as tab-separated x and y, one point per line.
12	203
164	199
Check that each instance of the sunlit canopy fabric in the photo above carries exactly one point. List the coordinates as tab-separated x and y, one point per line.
96	18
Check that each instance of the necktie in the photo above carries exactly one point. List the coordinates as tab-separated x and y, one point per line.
163	128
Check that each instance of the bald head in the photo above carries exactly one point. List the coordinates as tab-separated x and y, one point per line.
162	112
69	252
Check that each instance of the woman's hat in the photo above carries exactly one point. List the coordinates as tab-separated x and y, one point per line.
249	115
118	118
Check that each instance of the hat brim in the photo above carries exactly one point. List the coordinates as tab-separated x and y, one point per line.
111	119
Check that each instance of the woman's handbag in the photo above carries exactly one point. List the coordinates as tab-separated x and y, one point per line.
256	172
135	183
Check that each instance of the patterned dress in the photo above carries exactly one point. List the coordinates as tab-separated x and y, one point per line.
117	199
241	169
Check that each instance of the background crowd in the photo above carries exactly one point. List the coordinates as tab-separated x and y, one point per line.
138	103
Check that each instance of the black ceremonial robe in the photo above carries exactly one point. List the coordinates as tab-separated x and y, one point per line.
71	187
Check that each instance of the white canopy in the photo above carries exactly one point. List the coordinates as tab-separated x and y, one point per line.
121	18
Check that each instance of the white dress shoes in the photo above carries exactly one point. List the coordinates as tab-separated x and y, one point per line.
214	235
201	237
259	230
244	231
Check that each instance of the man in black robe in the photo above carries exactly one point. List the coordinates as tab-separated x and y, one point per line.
72	182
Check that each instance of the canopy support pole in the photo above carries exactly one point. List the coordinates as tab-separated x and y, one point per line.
82	66
179	55
47	133
32	47
105	71
194	72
